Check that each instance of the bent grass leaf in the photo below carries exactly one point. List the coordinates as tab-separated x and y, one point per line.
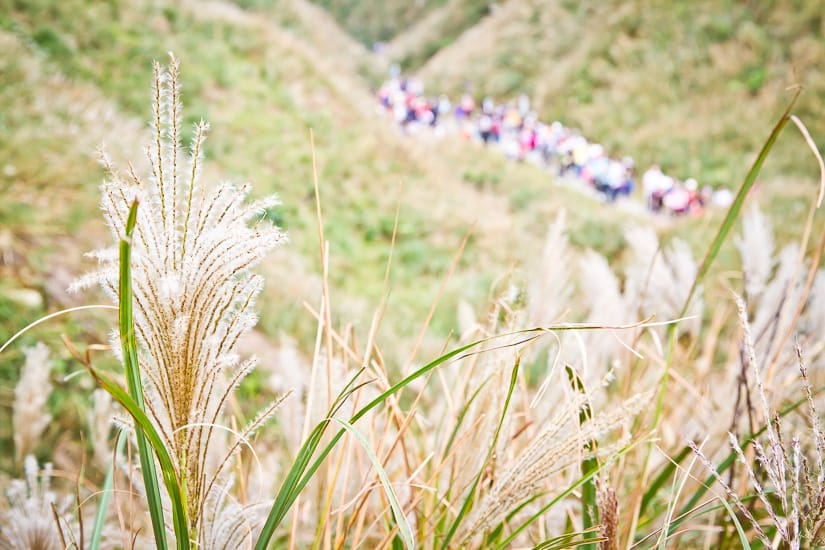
170	478
404	529
569	540
128	343
716	244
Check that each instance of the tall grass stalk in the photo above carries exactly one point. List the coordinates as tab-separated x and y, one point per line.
133	378
712	252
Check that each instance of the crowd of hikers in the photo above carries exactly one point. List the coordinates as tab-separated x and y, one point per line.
515	129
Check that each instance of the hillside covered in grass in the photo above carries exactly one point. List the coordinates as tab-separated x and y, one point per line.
75	73
694	86
75	77
451	349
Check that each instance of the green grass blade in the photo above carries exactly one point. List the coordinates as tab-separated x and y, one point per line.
697	512
738	201
105	496
153	439
590	507
667	471
465	507
722	234
404	530
713	251
743	537
301	472
588	536
128	343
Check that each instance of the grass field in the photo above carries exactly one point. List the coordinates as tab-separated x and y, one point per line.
546	436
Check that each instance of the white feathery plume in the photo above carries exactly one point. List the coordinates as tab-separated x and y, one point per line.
561	444
601	290
35	517
756	248
549	288
227	524
658	281
30	415
791	491
601	294
194	293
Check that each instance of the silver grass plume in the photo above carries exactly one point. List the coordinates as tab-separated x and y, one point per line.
29	413
756	248
35	517
194	293
549	289
560	445
658	279
789	484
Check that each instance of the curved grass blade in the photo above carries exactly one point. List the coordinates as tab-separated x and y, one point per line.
300	473
569	540
128	343
743	537
697	512
721	235
106	494
738	201
713	251
404	530
153	439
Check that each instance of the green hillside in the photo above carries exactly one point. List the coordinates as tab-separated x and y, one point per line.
262	78
542	426
694	86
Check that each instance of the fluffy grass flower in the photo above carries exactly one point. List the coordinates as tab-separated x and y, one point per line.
789	479
36	518
194	293
561	444
30	415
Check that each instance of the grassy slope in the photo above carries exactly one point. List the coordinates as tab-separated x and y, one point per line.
370	22
259	78
695	86
79	73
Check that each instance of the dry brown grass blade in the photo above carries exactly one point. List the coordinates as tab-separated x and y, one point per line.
812	145
800	306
